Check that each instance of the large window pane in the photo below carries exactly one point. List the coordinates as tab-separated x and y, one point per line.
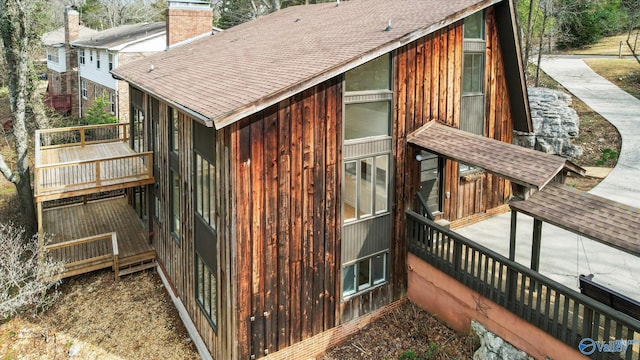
174	129
378	269
366	119
473	73
175	203
348	280
349	197
474	26
381	190
366	187
364	274
373	75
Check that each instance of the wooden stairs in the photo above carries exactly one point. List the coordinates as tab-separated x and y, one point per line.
139	262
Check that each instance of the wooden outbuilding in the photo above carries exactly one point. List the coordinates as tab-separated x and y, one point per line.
286	151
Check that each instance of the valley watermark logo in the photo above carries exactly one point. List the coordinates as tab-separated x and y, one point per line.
588	346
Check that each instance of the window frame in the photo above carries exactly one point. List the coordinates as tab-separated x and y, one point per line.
81	55
110	59
175	194
209	310
98	60
371	284
83	88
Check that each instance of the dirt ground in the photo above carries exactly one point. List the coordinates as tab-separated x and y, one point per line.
96	318
407	332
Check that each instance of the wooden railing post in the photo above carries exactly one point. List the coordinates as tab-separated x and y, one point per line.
116	254
98	175
82	137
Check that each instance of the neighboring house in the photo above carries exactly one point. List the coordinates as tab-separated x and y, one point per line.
62	65
93	54
102	52
272	164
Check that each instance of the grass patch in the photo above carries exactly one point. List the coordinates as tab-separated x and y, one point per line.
609	45
625	73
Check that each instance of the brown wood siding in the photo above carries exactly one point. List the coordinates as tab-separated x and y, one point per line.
177	259
428	77
287	166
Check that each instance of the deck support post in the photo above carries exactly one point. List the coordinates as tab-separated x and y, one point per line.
535	247
512	235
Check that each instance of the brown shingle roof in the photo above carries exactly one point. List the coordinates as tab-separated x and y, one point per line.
520	165
600	219
124	34
235	73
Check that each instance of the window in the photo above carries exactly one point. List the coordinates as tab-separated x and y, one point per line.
206	289
364	274
95	92
474	26
366	187
431	166
205	187
83	88
52	55
176	195
173	131
91	55
97	59
472	106
367	119
110	62
112	102
366	165
174	166
473	73
82	60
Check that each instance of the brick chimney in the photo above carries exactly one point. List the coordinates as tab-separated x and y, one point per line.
71	24
187	19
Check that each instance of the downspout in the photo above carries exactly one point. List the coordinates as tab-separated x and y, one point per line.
79	87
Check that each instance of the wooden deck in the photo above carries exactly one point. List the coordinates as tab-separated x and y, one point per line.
87	159
81	235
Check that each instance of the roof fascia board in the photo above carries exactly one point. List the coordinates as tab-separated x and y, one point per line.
240	113
201	118
121	46
507	25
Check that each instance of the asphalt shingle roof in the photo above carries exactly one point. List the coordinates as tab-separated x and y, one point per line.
235	73
56	37
518	164
589	215
120	35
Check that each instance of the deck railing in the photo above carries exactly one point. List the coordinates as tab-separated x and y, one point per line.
87	254
81	135
563	313
93	173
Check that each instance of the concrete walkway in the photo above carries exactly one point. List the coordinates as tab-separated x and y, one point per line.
565	255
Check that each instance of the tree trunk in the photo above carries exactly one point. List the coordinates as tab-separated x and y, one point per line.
25	195
15	35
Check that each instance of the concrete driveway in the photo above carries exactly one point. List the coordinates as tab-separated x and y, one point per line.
565	255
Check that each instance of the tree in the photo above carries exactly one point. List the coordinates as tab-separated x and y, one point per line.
23	277
97	113
583	22
234	12
19	20
104	14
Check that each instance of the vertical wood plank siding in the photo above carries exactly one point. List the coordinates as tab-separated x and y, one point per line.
286	183
177	259
278	203
428	86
